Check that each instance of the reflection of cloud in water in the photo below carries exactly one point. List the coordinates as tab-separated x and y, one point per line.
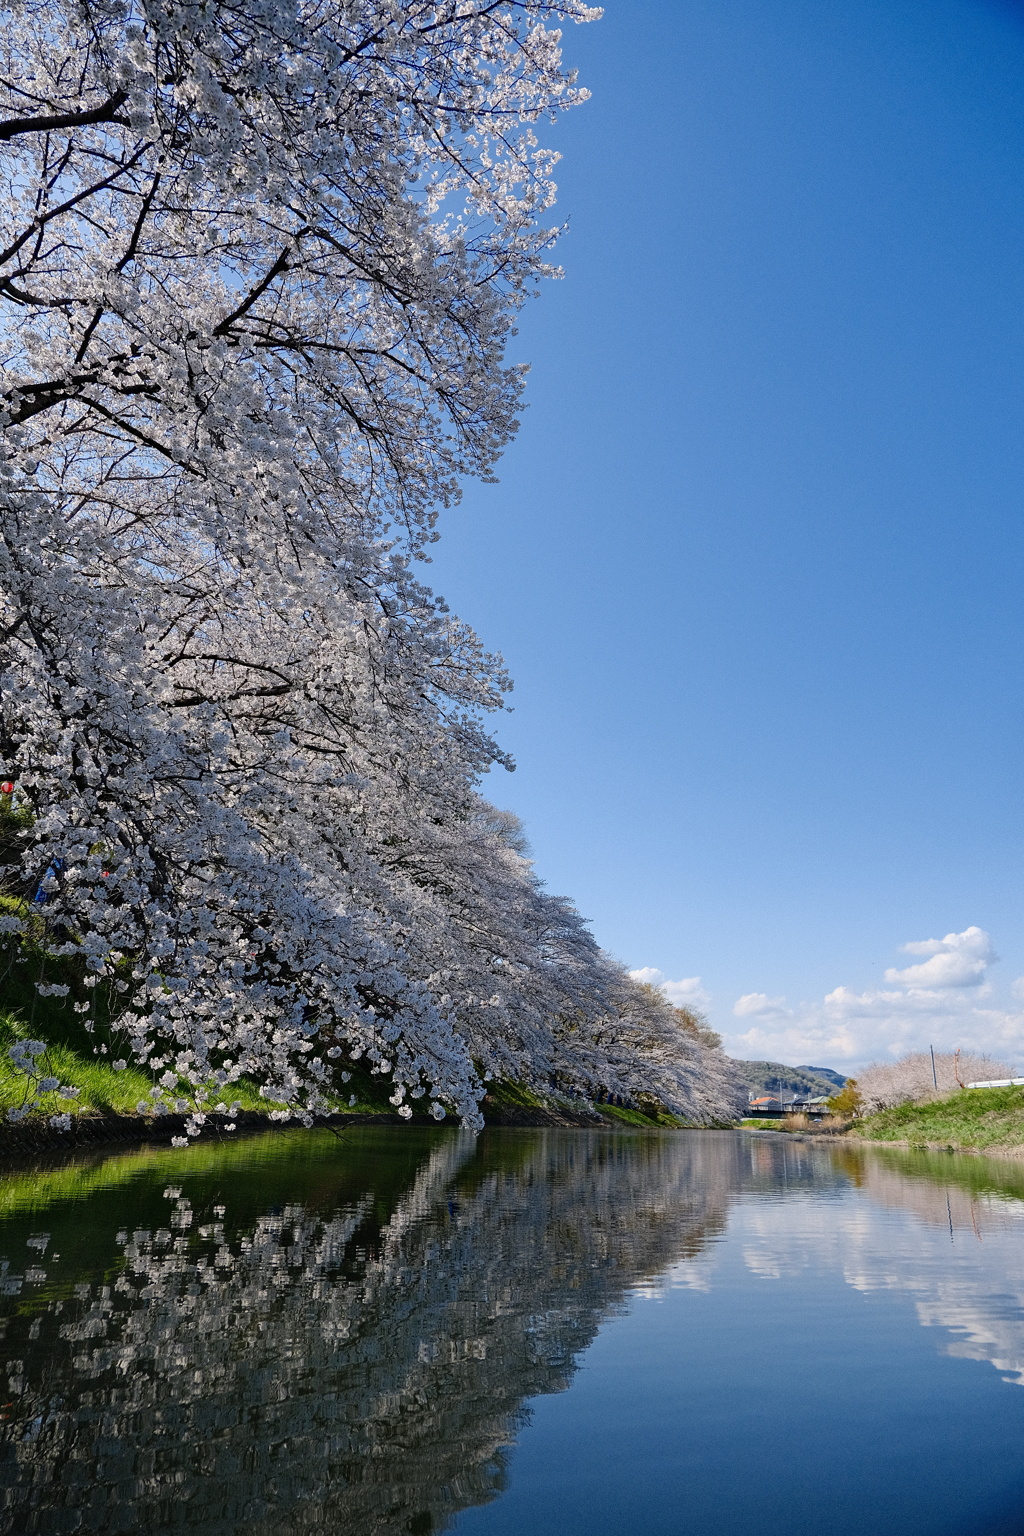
959	1255
347	1369
689	1275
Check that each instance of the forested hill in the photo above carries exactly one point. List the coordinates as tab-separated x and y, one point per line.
766	1077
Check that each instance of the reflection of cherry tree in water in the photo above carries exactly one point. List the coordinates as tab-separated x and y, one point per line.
317	1373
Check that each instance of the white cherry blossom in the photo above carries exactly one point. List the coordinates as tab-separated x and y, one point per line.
259	263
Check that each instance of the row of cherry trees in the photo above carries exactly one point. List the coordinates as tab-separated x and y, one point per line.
259	263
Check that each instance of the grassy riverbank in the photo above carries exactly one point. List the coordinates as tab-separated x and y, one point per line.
106	1093
977	1117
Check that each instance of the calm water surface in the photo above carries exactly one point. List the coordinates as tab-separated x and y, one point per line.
587	1333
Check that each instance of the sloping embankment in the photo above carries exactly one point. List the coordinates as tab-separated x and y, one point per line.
973	1119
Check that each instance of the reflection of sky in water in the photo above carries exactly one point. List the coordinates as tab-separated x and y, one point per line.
377	1337
783	1374
959	1255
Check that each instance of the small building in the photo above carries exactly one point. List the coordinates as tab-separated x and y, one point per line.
769	1104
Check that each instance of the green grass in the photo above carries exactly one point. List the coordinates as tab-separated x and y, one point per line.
503	1093
25	961
974	1117
509	1095
102	1091
637	1117
514	1095
624	1116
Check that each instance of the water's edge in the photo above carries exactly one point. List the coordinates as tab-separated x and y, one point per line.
1014	1152
111	1130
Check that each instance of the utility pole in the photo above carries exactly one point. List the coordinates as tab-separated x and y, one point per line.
934	1078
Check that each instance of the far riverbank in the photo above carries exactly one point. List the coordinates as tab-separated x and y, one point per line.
988	1120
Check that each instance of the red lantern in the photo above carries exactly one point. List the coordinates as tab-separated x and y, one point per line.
7	788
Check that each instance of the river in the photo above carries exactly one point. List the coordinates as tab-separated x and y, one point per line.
586	1333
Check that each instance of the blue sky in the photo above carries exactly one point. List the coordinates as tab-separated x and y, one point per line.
755	559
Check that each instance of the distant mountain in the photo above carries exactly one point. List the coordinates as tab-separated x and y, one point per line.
769	1076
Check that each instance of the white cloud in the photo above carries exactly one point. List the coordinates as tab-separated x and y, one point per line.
760	1005
958	960
687	993
945	1000
802	1041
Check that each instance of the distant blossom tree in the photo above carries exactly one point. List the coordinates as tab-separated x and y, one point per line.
887	1084
259	263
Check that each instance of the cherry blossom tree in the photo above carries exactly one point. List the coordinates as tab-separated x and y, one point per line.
259	264
922	1076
